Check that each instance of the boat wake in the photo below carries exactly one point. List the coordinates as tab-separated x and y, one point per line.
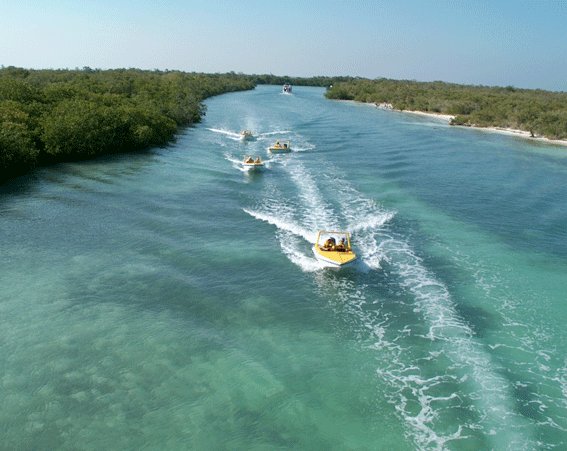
275	132
292	236
430	383
437	372
228	133
310	211
282	223
451	339
525	345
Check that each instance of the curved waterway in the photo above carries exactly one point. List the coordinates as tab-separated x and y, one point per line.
170	299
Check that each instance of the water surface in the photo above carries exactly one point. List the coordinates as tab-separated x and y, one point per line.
170	299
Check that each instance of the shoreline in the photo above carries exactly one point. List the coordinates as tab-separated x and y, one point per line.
502	130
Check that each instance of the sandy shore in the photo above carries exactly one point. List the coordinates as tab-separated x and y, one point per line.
445	117
505	131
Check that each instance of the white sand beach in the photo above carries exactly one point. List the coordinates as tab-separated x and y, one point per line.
502	130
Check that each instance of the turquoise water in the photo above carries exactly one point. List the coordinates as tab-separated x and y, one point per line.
170	300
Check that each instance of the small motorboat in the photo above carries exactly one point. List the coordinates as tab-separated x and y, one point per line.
253	163
333	248
246	134
280	147
286	88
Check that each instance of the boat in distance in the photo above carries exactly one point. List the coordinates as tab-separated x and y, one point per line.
334	248
246	134
253	163
286	88
278	147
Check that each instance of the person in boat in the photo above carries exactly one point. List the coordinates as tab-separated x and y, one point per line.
341	247
285	145
249	160
257	161
329	244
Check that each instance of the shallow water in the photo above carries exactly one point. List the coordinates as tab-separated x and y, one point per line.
171	300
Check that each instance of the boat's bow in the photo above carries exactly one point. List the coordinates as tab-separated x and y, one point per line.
334	248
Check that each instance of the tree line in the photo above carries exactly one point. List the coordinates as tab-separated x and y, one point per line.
321	81
48	116
542	113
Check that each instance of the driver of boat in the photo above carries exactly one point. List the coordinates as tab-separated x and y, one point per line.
341	247
329	244
257	161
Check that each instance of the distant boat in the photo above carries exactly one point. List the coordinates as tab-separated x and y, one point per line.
252	163
287	88
333	248
246	134
278	147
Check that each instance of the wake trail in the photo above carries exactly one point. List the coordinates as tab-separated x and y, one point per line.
281	222
292	236
447	337
229	133
317	213
366	220
528	340
453	338
446	332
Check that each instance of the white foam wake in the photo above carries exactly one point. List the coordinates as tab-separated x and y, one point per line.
283	223
363	216
491	392
448	334
293	249
317	212
236	164
229	133
530	350
366	220
291	236
275	132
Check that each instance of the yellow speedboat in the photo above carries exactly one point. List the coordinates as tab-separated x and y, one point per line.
253	163
246	134
334	248
280	147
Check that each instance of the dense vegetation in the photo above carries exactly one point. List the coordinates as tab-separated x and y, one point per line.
542	113
48	116
320	81
56	115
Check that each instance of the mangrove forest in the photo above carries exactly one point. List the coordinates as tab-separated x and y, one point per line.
49	116
542	113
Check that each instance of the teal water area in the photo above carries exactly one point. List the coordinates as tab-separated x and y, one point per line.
170	299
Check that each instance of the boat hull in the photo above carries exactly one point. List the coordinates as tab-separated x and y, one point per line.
246	135
334	258
254	166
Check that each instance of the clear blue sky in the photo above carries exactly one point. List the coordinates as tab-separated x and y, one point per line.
522	43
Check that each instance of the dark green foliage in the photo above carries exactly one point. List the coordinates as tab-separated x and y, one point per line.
61	115
540	112
321	81
17	146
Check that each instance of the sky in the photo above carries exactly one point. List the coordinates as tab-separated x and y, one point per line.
521	43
